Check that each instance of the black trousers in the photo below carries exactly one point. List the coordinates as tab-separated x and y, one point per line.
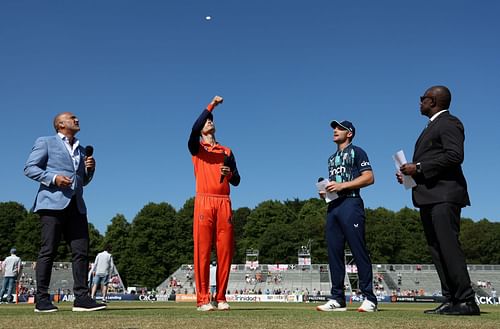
441	224
74	226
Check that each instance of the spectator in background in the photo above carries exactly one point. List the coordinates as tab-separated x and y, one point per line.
102	271
11	268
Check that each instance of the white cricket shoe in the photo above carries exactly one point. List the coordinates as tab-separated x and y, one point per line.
205	307
332	306
368	306
223	306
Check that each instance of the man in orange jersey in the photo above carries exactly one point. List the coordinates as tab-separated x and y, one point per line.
214	169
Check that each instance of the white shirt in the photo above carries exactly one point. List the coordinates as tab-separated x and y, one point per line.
436	115
11	265
103	264
73	151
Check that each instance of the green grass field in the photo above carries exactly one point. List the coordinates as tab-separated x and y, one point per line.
242	316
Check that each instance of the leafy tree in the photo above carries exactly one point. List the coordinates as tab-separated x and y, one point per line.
294	205
181	250
480	241
492	244
310	227
117	236
28	233
277	245
151	242
160	239
379	213
239	220
383	234
413	247
11	213
95	242
268	229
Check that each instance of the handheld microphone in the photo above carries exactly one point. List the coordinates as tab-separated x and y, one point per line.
320	179
89	150
226	164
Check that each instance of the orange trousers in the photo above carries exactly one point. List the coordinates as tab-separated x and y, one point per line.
212	224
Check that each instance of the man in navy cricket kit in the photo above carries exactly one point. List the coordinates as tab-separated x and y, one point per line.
349	171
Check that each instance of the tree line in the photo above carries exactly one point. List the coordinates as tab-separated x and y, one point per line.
151	246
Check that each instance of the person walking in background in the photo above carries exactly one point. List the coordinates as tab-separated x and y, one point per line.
101	272
349	171
214	169
441	193
11	268
62	167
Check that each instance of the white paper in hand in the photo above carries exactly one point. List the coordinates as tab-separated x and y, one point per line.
329	196
399	160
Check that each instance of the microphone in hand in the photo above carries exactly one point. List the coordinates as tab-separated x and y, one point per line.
89	163
89	150
227	162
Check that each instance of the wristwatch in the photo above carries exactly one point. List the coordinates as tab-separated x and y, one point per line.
419	167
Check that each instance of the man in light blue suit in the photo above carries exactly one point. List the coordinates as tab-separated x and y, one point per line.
63	168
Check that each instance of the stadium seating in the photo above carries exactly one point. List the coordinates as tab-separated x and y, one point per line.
314	278
414	278
61	281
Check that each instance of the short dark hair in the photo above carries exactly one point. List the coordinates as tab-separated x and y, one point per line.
443	96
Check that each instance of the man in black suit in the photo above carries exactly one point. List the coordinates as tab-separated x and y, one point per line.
441	193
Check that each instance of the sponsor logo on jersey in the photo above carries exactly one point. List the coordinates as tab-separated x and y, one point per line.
338	171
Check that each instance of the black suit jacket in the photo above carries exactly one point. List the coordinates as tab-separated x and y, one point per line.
440	150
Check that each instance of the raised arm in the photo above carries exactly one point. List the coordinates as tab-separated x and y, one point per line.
194	137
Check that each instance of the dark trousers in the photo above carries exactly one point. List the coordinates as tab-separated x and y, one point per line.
74	226
345	221
441	224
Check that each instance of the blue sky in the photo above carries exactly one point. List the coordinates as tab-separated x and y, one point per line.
138	73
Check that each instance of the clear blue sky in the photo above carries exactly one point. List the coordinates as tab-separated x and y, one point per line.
138	73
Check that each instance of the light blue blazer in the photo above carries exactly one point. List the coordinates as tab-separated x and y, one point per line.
49	157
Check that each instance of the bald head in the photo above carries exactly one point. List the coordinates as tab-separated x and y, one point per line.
57	119
66	123
443	96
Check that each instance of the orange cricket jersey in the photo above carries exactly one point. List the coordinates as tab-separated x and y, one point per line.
207	163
